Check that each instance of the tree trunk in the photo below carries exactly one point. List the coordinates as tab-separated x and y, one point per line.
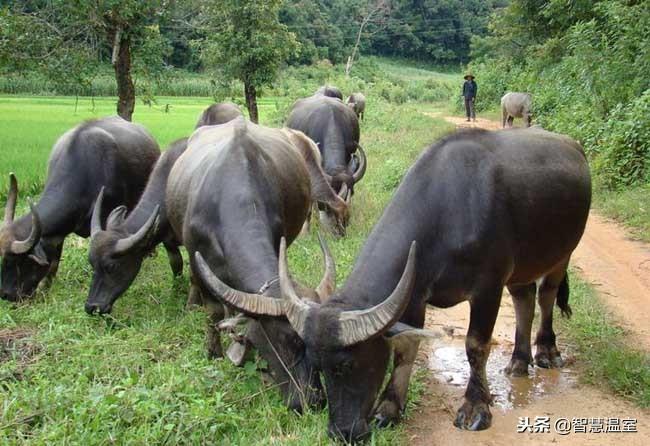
122	64
251	101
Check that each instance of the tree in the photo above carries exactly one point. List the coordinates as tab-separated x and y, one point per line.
376	12
65	39
247	42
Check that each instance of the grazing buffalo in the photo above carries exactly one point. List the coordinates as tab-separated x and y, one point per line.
516	105
117	252
109	152
330	91
235	192
357	101
334	127
478	211
219	114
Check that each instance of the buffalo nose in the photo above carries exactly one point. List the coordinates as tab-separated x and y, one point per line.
91	308
354	433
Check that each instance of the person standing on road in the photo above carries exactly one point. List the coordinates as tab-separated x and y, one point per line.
469	93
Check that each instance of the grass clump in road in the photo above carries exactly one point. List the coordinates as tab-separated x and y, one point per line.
603	347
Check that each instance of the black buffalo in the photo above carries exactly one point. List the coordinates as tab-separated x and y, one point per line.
330	91
334	127
108	152
478	211
235	192
116	253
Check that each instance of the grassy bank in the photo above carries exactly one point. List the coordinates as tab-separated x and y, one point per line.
141	375
630	207
603	349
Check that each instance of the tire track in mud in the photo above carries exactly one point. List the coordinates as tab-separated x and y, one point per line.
620	270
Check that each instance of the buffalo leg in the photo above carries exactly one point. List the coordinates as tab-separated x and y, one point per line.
547	354
175	258
393	399
511	121
475	414
523	298
54	265
216	313
194	298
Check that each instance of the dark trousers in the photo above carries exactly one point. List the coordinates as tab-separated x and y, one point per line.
469	108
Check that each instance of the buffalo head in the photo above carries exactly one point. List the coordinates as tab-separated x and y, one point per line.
337	220
271	333
115	255
24	254
351	347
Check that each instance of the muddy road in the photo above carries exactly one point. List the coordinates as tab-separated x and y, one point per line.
620	270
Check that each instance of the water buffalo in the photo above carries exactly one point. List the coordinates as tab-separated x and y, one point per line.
330	91
335	129
117	252
478	211
235	192
108	152
218	114
516	105
357	101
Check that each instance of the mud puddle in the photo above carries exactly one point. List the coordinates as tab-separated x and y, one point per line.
449	365
556	394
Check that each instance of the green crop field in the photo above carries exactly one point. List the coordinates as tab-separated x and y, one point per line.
141	375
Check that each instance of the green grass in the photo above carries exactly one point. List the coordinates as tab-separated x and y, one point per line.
631	207
141	376
603	349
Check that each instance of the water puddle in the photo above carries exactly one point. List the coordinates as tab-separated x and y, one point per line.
449	365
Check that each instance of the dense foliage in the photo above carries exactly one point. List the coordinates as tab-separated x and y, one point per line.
587	66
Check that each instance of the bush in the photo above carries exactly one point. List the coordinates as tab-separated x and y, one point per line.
624	146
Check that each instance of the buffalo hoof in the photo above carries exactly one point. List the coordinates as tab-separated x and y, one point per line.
473	416
548	358
517	367
387	414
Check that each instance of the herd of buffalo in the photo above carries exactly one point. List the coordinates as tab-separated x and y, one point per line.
477	212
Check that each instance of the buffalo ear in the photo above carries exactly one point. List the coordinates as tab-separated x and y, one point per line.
38	255
401	335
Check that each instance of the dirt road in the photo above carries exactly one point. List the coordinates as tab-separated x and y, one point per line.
620	269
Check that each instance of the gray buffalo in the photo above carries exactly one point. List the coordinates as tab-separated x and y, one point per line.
357	101
117	251
330	91
218	114
109	152
334	127
475	214
516	105
235	192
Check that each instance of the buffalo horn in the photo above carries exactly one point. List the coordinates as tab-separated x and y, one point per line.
21	247
361	170
10	208
96	219
253	304
126	244
295	308
359	325
328	283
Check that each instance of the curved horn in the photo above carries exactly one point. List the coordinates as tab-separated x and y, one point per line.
327	284
295	308
360	325
343	192
126	244
361	170
254	304
10	208
96	219
24	246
